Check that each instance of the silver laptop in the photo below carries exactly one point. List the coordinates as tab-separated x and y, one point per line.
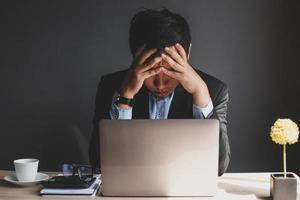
159	157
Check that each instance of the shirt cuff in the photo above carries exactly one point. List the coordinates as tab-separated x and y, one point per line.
120	113
200	113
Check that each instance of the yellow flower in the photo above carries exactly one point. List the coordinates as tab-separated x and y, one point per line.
284	131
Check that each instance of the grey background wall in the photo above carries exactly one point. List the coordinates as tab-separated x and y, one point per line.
53	54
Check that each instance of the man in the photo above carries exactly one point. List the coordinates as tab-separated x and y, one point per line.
160	83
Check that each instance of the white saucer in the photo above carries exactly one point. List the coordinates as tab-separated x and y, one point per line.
39	177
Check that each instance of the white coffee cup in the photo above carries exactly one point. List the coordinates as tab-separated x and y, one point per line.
26	169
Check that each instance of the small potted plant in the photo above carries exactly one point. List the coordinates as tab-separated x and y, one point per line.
284	185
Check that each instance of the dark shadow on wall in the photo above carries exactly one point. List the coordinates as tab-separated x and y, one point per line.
54	52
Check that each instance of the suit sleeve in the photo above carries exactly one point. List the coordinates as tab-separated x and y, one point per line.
220	113
99	113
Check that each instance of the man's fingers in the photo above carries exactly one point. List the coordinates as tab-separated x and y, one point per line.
146	54
151	64
172	74
174	54
181	51
172	63
151	72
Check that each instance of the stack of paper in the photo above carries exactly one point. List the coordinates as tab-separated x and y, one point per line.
91	191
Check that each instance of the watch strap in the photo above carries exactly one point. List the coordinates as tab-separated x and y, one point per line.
123	100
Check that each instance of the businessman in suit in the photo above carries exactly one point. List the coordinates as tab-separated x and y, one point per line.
161	83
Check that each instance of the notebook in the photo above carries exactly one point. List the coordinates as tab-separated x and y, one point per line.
90	191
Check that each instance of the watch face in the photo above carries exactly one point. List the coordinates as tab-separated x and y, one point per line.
116	97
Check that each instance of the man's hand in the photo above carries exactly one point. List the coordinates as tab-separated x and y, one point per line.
176	57
140	70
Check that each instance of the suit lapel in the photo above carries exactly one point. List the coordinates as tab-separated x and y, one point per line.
141	105
180	105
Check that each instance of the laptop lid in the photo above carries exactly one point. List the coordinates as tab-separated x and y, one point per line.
177	157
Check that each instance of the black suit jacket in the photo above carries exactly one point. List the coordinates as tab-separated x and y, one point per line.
181	108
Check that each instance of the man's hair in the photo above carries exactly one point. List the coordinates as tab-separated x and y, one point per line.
158	29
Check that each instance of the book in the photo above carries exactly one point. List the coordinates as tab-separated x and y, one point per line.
90	191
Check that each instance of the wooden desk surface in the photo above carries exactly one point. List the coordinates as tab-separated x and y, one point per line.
231	186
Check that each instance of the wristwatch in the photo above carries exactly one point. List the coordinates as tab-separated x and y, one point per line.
117	98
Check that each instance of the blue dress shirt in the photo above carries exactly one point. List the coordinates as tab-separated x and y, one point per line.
159	109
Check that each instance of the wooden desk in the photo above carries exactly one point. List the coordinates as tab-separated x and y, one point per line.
231	186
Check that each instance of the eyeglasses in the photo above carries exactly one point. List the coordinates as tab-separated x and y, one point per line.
84	172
